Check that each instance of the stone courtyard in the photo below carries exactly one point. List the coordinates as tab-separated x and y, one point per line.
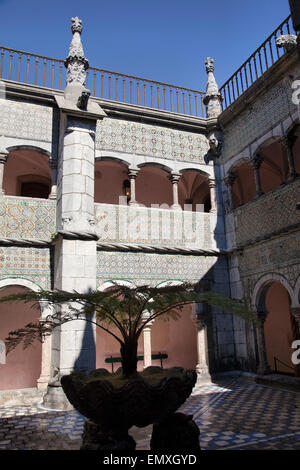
233	413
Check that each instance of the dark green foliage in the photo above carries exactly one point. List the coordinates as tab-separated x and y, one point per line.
120	311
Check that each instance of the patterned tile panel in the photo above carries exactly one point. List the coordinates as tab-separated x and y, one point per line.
27	120
27	263
152	267
27	218
125	224
275	105
151	140
271	212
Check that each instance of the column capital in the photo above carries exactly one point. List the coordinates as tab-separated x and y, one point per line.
211	182
256	161
230	179
133	172
175	176
295	311
288	140
3	157
262	315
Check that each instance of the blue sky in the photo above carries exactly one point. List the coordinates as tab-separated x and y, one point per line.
163	40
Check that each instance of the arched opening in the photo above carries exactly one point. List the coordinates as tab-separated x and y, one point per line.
296	151
193	189
23	366
153	186
177	338
109	181
27	173
108	347
279	329
244	184
274	168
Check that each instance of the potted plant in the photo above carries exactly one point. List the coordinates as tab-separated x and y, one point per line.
113	403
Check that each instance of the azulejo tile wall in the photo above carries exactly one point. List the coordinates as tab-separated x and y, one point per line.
27	263
151	140
275	105
270	213
152	268
27	120
125	224
27	218
277	256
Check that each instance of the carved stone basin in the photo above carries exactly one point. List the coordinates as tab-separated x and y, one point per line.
116	402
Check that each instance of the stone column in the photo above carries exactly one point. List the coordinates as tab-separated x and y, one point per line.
147	341
202	367
3	159
295	311
229	180
256	162
288	142
213	198
42	382
263	366
74	342
175	177
132	173
53	193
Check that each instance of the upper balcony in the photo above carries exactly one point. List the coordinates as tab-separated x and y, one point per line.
106	86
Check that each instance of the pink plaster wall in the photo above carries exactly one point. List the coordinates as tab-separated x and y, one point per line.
109	177
107	346
22	163
278	329
274	168
153	186
176	338
193	186
23	367
244	185
296	153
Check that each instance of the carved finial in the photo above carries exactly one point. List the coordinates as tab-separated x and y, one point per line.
213	97
76	63
209	64
76	25
287	41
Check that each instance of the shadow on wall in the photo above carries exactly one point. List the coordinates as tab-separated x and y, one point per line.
86	360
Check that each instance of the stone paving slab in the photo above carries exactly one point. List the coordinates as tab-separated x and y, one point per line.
232	414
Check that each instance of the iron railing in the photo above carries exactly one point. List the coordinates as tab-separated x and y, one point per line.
34	69
256	65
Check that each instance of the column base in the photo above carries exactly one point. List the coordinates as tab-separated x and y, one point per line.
203	377
263	370
176	207
56	399
42	383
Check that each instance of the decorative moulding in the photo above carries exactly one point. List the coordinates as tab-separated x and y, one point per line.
93	111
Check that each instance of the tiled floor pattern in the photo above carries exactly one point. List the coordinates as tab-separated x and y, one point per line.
233	414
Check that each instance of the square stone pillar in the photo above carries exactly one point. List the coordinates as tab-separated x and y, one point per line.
74	342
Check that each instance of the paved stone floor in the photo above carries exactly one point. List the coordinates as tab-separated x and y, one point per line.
231	414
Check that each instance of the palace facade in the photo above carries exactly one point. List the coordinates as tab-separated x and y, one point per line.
109	177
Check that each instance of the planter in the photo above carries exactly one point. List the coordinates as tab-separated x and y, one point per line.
114	403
